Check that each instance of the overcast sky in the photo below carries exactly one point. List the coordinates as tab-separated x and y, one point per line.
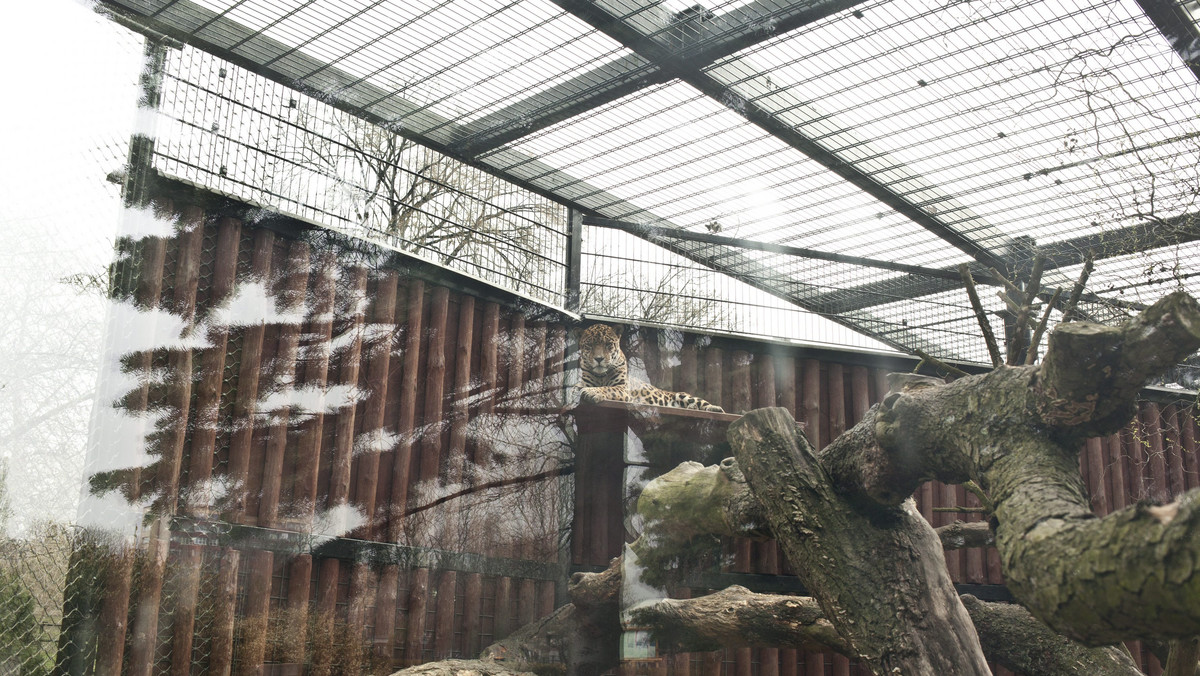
70	80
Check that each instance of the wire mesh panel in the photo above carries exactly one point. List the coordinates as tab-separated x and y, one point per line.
229	130
630	279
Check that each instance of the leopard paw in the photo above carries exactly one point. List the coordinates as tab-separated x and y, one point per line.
589	395
714	408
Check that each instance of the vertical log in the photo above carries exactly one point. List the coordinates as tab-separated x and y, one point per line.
1174	451
147	296
975	570
183	623
814	664
1152	442
252	632
789	660
1118	488
1134	456
443	635
554	592
379	364
785	384
714	371
1187	436
293	292
383	640
298	593
220	662
179	395
418	595
687	364
811	401
429	461
949	498
323	627
208	391
343	436
316	374
147	292
506	601
472	613
363	584
249	371
403	461
837	403
114	612
528	603
1094	450
149	596
860	393
435	377
472	608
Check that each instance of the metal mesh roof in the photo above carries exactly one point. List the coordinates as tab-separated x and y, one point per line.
914	133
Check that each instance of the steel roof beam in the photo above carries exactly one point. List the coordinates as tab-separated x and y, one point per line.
1181	31
645	231
714	39
657	51
1109	244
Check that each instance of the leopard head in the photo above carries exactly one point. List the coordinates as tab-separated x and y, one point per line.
600	356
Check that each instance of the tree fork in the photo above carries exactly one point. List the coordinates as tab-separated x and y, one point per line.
912	622
1017	432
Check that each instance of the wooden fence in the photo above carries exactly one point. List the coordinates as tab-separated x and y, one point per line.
358	462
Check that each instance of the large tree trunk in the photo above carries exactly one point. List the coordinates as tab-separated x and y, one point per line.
911	621
1017	432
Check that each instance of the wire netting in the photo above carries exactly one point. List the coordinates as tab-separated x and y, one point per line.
240	134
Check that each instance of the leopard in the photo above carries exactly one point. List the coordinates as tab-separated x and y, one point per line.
606	375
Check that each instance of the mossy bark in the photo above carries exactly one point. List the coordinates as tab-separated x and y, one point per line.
737	617
911	621
1017	432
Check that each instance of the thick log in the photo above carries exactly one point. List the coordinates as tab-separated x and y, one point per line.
208	391
913	621
464	668
186	578
1018	432
375	407
343	436
403	462
1092	373
293	294
246	399
220	659
316	374
1018	641
735	616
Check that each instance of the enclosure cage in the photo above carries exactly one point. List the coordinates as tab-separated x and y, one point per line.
358	241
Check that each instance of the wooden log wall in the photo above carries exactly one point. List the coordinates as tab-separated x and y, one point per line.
332	389
323	390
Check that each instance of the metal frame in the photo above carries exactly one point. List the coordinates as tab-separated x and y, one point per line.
664	48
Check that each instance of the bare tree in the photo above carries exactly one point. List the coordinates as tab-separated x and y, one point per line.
419	200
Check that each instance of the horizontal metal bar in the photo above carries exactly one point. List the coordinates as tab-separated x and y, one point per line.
652	231
1108	244
714	39
647	48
